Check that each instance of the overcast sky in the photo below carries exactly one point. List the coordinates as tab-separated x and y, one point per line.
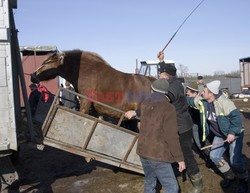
213	38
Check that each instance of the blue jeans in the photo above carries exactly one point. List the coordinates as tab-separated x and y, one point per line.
161	170
235	150
196	135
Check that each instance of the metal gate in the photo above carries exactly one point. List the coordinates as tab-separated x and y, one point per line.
88	136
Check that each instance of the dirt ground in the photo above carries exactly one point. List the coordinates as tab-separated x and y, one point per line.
53	170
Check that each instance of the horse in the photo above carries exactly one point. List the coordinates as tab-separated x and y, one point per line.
93	77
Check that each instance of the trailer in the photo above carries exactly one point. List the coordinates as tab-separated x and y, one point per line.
63	128
9	102
12	86
245	72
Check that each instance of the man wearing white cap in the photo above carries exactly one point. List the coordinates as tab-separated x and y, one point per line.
192	90
224	121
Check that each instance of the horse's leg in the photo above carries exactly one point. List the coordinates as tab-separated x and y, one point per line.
131	125
85	105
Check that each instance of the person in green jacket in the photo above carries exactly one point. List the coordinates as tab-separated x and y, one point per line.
224	120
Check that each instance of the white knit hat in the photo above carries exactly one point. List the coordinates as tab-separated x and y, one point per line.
214	86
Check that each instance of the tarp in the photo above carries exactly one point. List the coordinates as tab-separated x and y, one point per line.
245	59
39	48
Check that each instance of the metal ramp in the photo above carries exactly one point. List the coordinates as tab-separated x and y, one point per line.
90	137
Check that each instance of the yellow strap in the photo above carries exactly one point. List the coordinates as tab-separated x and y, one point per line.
202	110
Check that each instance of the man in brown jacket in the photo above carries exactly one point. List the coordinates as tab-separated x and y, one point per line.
158	144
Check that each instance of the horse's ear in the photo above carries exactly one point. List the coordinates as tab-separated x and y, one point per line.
61	58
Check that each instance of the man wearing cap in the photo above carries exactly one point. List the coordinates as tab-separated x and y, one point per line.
224	121
34	98
198	131
199	127
184	122
200	83
69	99
158	143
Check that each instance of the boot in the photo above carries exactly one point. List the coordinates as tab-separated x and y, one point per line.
242	186
229	177
197	183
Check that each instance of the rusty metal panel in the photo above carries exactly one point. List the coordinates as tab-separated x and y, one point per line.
90	137
110	141
30	64
70	128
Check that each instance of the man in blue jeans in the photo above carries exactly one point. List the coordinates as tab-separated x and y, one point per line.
224	121
184	122
158	143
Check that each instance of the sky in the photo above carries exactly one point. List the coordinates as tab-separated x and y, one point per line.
213	39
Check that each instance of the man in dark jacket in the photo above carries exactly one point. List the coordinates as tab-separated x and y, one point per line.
69	99
184	122
34	98
158	144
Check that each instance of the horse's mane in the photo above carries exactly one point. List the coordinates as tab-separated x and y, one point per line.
72	53
92	55
98	57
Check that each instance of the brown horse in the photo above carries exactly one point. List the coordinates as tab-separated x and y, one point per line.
94	77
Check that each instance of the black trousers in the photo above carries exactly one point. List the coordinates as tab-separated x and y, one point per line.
186	146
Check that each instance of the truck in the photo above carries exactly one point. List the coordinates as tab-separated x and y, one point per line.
229	84
150	67
63	128
245	73
10	111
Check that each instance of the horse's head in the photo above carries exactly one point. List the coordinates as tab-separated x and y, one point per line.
49	69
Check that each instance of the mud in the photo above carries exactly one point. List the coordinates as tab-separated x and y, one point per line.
53	170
